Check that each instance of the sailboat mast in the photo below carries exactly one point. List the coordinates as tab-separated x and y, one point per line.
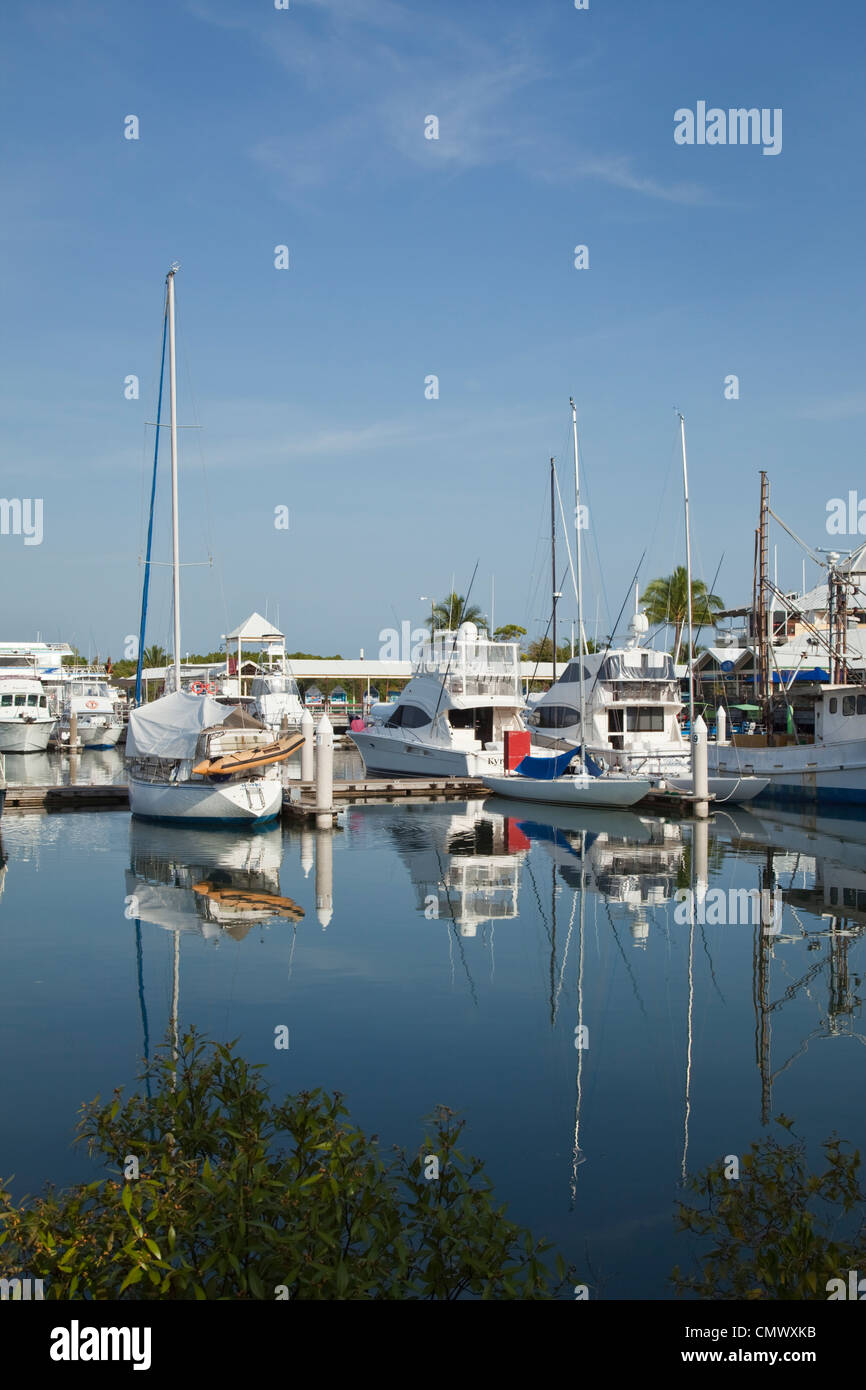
577	545
175	534
688	580
553	555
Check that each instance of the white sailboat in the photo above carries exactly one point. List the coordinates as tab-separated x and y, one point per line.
190	758
545	779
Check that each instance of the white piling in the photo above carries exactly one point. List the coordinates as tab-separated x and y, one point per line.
700	781
721	727
324	875
308	729
307	851
325	769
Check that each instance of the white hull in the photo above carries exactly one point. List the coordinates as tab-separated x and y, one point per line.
389	756
733	790
105	736
257	800
810	772
572	791
16	736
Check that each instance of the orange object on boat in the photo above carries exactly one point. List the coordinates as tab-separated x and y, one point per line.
249	760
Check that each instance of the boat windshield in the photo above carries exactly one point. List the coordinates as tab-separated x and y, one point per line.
276	685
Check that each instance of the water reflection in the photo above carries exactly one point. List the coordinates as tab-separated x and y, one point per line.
205	881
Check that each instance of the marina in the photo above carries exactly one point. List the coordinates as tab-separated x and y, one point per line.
432	676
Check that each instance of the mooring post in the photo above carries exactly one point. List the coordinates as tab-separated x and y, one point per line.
308	729
700	780
721	727
324	771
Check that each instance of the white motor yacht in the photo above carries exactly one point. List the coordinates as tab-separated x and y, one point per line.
26	722
450	720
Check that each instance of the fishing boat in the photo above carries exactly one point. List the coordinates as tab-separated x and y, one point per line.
190	758
100	723
827	761
26	722
451	719
633	705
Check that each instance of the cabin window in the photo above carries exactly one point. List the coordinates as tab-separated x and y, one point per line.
5	701
20	699
834	704
43	703
849	704
645	719
409	717
834	897
33	699
557	716
861	704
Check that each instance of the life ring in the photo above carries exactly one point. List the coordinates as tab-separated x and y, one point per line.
211	688
91	704
197	688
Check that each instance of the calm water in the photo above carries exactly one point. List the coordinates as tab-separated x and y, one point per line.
454	950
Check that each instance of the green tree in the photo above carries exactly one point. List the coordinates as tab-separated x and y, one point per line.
667	603
240	1197
773	1233
155	656
451	611
509	633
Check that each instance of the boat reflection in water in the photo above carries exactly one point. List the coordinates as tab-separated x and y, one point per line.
821	871
631	860
464	863
205	881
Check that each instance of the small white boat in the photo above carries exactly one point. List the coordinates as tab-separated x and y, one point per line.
734	790
576	789
26	722
546	779
93	703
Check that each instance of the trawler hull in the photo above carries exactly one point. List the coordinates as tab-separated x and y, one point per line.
232	803
810	772
18	736
99	736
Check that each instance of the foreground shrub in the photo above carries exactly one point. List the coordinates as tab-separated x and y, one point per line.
221	1193
779	1231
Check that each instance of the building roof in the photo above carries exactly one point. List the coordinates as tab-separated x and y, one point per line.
255	629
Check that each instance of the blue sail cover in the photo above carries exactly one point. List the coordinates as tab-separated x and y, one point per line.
546	769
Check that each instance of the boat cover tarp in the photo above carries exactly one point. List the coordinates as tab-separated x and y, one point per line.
546	769
169	727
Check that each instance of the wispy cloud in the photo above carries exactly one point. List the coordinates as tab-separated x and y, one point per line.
374	69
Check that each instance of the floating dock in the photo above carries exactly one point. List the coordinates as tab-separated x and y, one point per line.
299	798
72	796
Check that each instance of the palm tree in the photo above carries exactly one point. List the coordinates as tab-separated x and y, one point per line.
667	603
451	612
154	656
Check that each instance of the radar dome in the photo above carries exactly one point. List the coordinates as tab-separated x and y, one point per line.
469	632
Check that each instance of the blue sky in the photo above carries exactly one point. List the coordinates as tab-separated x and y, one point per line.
411	257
